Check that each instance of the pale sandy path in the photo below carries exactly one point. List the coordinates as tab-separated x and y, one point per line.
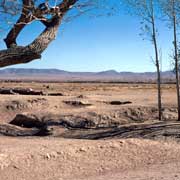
169	171
60	159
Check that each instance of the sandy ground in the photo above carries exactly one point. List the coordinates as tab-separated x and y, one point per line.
96	94
80	159
50	158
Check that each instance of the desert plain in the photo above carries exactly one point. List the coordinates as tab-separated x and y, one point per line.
88	131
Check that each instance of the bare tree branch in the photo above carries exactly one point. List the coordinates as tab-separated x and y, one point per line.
48	13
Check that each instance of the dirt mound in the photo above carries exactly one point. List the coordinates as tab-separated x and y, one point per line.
71	121
16	105
124	115
37	102
19	105
20	91
77	103
27	91
68	121
143	113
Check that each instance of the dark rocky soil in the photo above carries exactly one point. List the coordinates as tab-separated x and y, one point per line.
94	126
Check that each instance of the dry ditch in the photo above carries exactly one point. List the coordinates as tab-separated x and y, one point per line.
139	122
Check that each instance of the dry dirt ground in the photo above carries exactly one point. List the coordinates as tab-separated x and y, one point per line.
91	131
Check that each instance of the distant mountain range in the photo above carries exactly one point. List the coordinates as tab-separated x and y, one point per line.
61	75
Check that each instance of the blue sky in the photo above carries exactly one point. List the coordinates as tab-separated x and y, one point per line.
97	44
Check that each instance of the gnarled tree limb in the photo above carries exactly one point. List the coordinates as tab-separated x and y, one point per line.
18	54
24	19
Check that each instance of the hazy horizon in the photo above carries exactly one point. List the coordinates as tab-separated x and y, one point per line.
105	70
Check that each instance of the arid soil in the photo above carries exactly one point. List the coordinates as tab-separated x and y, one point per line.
88	131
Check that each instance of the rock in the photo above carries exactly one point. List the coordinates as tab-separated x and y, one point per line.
120	102
51	155
81	96
82	149
55	94
77	103
47	156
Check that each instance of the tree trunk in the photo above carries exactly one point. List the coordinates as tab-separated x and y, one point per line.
158	79
176	58
157	63
159	90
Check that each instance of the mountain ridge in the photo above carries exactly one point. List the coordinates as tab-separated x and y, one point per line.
57	74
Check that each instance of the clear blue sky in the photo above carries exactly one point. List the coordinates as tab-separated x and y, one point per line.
97	44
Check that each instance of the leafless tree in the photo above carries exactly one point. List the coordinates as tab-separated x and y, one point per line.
171	8
147	11
50	13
